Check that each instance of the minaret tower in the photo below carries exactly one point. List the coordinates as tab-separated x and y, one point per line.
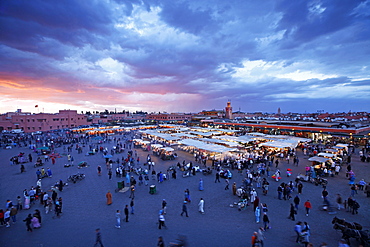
229	111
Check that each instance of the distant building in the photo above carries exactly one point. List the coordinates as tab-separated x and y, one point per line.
212	113
108	118
279	111
167	117
41	121
228	111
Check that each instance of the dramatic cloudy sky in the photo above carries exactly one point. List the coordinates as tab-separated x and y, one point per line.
185	55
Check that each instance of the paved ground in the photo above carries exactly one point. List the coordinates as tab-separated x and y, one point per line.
85	209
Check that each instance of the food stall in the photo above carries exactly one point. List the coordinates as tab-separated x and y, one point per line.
167	153
156	148
145	145
319	164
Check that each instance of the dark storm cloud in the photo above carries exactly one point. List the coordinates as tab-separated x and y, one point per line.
66	14
26	25
307	20
256	53
180	15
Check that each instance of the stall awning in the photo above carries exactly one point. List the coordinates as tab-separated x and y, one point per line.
279	144
156	145
204	146
327	155
318	159
338	147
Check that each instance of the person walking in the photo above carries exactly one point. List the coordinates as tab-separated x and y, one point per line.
110	174
160	242
296	201
217	177
126	213
257	213
49	205
227	184
234	188
298	230
28	221
201	187
266	221
13	214
292	212
109	197
201	206
307	206
280	192
339	201
161	221
7	217
255	240
99	170
164	206
324	194
118	219
132	205
132	189
98	238
261	236
306	228
355	207
184	209
300	187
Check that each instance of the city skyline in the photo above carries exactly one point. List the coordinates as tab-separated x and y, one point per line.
185	56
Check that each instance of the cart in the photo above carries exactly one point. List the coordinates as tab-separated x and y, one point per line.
152	189
121	187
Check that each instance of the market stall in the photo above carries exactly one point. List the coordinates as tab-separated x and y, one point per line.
167	153
321	165
156	148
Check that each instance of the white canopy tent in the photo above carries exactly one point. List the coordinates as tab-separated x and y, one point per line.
205	146
318	159
167	149
326	155
156	145
278	144
167	137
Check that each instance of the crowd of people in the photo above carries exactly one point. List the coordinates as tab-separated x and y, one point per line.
255	167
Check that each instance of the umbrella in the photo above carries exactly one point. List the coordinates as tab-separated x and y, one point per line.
43	148
107	156
54	155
